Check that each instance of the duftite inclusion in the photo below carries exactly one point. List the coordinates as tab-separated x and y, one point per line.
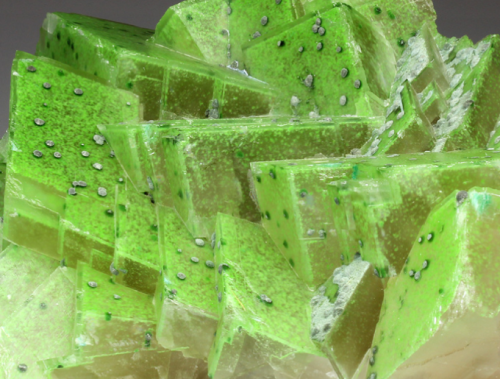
256	189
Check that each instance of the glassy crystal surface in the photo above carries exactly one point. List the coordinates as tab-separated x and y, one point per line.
352	82
278	189
330	200
136	260
256	288
344	314
185	297
111	318
445	302
161	77
207	165
17	262
41	328
141	364
54	144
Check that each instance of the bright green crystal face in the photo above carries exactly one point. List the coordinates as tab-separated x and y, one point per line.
161	77
398	20
446	298
350	84
207	165
185	297
111	318
263	327
380	217
55	153
327	210
279	189
136	262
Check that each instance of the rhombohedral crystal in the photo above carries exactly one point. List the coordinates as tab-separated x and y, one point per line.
275	189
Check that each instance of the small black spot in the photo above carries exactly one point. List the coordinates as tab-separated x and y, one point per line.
58	36
259	179
285	213
285	244
179	193
268	215
292	263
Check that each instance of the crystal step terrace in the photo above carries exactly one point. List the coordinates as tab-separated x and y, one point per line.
207	165
327	210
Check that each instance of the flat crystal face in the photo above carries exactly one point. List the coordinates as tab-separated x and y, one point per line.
255	189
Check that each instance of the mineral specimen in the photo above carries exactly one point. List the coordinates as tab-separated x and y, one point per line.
272	189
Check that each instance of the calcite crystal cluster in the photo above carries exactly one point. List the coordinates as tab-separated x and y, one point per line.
275	189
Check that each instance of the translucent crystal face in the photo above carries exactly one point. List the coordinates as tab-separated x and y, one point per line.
275	189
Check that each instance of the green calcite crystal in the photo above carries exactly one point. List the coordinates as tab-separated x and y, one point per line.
380	217
160	76
42	325
445	302
440	103
296	209
185	298
345	313
141	364
263	328
398	20
143	158
17	262
356	78
278	189
136	261
226	149
217	31
111	318
329	209
56	152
